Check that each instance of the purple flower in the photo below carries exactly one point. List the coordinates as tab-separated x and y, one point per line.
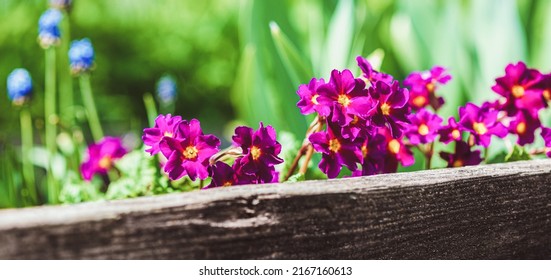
463	156
369	75
546	134
346	95
423	86
309	99
224	175
188	153
524	125
165	126
396	152
545	86
336	151
260	150
373	156
101	156
482	123
450	132
391	107
424	127
519	88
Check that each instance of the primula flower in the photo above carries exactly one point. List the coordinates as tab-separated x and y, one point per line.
308	102
224	175
189	152
482	123
369	75
545	86
101	156
48	28
166	89
519	88
336	151
346	95
373	156
20	86
260	150
546	134
463	156
424	127
524	125
423	86
391	108
450	132
396	152
165	126
81	56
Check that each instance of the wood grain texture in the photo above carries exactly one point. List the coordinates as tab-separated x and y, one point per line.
500	211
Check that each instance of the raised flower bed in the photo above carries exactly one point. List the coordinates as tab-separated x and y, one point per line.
499	211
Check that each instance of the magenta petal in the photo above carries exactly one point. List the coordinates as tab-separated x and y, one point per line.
168	145
174	166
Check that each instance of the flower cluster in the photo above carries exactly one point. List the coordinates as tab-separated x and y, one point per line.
20	86
101	157
188	151
365	119
48	28
81	56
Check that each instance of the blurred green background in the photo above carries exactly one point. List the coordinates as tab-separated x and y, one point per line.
240	62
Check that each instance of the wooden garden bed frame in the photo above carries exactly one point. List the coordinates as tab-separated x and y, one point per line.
500	211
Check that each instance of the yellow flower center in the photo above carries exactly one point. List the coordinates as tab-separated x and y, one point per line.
419	101
430	87
456	134
394	146
168	134
256	152
480	128
105	162
334	145
521	127
457	163
343	100
518	91
190	153
355	120
365	151
423	129
385	109
315	99
547	94
227	184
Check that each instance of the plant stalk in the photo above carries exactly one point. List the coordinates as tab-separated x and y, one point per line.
26	147
50	120
150	108
90	105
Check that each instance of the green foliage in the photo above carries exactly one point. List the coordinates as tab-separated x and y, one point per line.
518	153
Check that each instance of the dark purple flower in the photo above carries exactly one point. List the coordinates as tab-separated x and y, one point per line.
450	132
396	152
101	156
519	89
391	107
424	127
545	86
482	123
524	125
336	151
188	153
347	97
369	75
224	175
260	150
423	86
546	134
309	99
165	126
373	156
463	156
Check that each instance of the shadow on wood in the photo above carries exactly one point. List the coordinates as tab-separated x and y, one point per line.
500	211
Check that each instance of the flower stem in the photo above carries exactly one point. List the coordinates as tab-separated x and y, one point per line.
26	147
50	119
150	108
305	149
66	103
428	155
88	99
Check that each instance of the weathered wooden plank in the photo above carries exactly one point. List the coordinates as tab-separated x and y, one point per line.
486	212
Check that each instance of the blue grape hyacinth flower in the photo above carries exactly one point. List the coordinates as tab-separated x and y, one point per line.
48	28
166	89
20	86
81	56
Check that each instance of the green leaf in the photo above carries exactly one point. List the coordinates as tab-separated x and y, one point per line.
294	62
296	178
339	37
518	153
74	190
